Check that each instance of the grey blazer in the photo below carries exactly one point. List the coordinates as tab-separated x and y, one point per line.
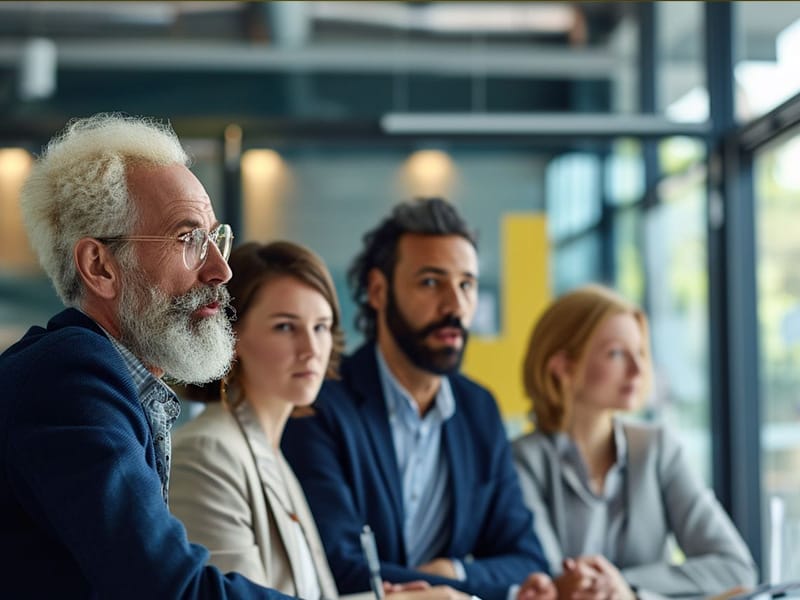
225	486
663	497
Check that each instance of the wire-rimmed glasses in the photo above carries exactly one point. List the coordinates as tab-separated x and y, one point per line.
195	243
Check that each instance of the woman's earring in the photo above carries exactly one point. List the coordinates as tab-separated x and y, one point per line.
223	391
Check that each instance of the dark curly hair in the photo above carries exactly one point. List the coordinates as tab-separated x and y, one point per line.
427	216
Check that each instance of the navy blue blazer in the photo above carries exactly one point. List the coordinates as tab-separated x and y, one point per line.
344	457
81	510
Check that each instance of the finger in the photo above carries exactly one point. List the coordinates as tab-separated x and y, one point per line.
539	580
590	567
526	593
444	592
408	586
600	562
417	584
589	594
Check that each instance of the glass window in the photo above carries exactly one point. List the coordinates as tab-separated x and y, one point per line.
573	186
768	62
679	153
577	262
624	172
629	275
677	301
777	189
681	91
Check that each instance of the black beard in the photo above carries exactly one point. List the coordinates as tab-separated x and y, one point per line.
444	361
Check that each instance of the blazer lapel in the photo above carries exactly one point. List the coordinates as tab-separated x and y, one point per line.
638	520
459	457
556	501
309	527
361	372
275	491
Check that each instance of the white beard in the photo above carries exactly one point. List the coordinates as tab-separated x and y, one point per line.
161	332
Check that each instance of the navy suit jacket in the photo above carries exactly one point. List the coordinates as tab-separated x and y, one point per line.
344	457
81	510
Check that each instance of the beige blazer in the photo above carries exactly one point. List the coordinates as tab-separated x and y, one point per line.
226	487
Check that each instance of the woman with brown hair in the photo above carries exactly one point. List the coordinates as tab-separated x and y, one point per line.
608	494
230	484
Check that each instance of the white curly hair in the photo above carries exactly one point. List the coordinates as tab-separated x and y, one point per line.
78	188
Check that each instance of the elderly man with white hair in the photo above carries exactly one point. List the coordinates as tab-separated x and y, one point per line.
129	238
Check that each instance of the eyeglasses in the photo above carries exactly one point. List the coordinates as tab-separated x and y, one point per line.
195	243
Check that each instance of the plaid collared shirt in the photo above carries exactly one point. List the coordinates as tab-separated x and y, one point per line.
161	406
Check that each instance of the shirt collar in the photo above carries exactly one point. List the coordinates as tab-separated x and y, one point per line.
568	450
143	379
400	402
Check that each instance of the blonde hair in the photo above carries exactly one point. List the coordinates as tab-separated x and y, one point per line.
78	188
568	325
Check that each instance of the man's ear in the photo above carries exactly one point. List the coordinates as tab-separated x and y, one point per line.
97	267
377	289
560	365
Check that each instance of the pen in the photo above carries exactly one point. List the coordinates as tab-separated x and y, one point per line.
371	554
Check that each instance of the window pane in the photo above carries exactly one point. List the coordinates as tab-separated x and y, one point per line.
682	93
679	153
777	187
576	263
675	250
624	175
768	62
572	184
629	277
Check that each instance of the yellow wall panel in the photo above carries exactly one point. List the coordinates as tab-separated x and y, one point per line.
496	361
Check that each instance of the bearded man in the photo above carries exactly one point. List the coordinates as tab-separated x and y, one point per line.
128	236
403	442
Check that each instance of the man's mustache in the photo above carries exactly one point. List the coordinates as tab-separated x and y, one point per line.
450	321
201	296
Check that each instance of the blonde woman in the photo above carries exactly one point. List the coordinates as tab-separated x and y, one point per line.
607	493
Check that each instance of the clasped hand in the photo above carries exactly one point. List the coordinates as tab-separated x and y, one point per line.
583	578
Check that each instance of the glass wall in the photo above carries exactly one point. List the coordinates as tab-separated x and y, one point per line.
777	190
768	56
676	266
681	87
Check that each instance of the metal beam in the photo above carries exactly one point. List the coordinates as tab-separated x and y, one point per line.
452	58
549	124
733	351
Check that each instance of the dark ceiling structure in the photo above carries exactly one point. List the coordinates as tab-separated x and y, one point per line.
293	68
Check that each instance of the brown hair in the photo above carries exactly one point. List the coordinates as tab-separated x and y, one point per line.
253	266
568	325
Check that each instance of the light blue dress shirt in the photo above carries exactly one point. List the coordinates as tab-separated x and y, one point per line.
423	467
